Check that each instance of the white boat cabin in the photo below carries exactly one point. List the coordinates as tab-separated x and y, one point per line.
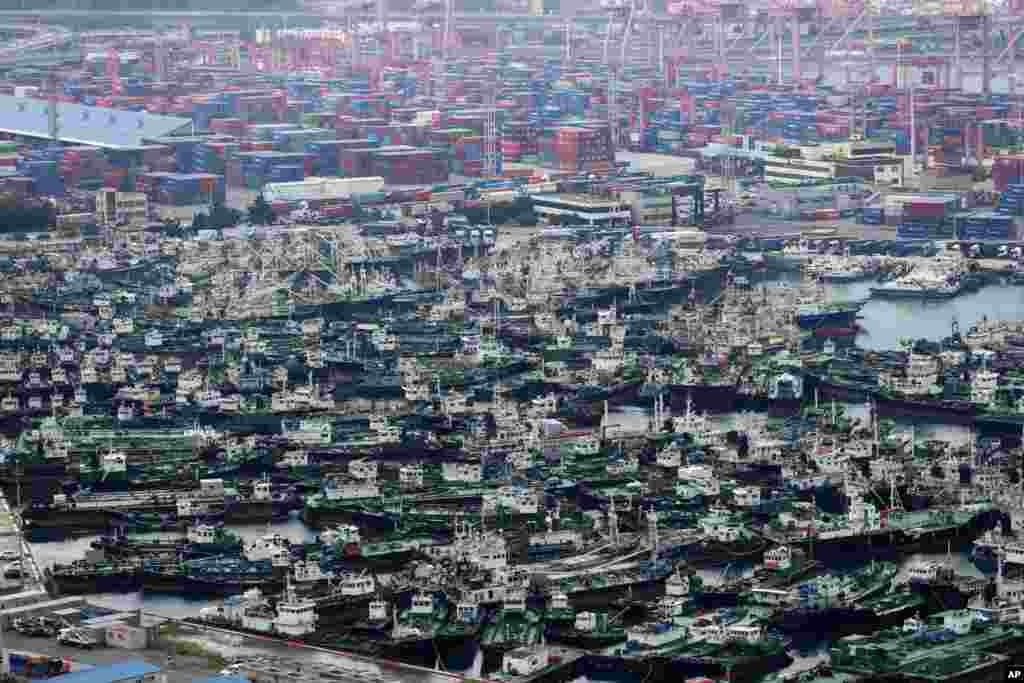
358	586
778	559
467	611
467	472
362	468
295	616
411	476
309	571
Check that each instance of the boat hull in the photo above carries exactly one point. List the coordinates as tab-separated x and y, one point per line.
741	669
828	620
84	584
583	639
887	541
840	318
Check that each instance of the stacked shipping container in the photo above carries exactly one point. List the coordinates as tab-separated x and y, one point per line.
987	225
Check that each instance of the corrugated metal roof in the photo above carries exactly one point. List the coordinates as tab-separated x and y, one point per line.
97	126
135	668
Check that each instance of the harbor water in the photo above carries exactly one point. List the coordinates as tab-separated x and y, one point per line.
883	324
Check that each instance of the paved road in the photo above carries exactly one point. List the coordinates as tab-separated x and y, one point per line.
182	670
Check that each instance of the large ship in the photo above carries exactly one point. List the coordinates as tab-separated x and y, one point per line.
201	539
836	314
940	278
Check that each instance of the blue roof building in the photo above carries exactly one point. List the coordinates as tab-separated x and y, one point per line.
82	125
122	672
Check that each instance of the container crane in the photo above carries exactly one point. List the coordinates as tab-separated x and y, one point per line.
114	71
693	14
798	12
624	10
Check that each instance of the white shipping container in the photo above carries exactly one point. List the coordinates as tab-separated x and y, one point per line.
25	91
322	188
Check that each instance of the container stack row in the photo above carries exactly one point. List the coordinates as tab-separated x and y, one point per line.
183	189
1006	171
1011	201
408	166
255	169
987	225
45	175
213	157
83	167
576	149
327	155
873	215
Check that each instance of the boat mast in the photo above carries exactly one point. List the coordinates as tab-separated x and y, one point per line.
652	529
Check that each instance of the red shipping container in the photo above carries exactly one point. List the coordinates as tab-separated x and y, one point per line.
924	209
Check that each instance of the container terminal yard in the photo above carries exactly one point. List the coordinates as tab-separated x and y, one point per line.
517	341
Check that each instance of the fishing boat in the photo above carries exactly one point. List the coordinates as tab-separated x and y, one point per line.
590	630
82	577
780	568
465	623
416	627
514	625
827	602
200	539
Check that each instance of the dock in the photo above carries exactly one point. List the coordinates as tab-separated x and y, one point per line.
33	580
266	659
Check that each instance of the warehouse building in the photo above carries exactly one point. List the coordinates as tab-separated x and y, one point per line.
77	124
578	209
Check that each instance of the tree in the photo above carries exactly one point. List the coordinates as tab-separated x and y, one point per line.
222	217
21	215
172	227
260	211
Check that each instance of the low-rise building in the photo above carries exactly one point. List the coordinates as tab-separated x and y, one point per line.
121	208
579	209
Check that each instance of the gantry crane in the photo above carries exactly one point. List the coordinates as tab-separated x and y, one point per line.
693	15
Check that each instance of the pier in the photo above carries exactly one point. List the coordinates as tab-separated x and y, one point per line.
32	579
267	659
